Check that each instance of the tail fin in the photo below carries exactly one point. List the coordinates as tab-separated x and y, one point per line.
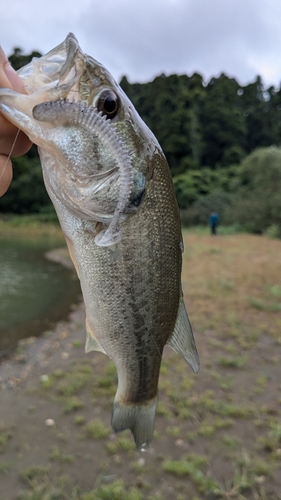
138	418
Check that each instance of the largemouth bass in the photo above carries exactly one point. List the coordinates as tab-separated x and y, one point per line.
112	189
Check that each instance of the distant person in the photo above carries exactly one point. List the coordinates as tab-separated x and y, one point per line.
9	79
213	221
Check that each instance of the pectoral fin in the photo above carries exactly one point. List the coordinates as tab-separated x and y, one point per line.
91	342
182	340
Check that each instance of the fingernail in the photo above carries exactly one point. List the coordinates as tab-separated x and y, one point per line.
3	57
9	71
13	78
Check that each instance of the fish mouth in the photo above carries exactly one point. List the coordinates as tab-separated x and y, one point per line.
61	67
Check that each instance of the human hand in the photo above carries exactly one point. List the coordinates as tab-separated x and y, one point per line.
9	79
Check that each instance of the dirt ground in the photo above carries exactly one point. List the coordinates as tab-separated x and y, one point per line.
217	434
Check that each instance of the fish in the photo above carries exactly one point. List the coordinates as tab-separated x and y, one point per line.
112	189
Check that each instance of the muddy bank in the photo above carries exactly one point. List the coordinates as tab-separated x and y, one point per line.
217	434
36	352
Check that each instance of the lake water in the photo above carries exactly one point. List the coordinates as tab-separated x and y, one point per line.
34	292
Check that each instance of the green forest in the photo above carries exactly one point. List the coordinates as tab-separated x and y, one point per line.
221	141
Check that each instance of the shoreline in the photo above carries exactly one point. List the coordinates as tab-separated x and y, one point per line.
60	256
33	353
29	351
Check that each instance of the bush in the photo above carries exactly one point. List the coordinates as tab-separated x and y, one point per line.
257	205
199	212
194	185
27	193
273	231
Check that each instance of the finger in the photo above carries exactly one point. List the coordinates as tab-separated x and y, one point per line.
10	79
6	173
8	146
21	146
14	79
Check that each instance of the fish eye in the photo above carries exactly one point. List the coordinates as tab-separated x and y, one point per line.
108	103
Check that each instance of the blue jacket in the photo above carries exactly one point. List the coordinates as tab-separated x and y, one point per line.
214	219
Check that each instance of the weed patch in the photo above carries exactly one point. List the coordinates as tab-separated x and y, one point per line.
95	429
191	466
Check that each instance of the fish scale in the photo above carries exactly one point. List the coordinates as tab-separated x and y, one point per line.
112	189
114	274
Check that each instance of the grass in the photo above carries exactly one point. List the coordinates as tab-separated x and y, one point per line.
5	436
72	403
95	429
120	444
115	491
37	472
233	362
56	454
30	224
4	467
191	466
217	434
79	420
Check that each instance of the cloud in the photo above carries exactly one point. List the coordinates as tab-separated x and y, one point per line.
143	39
183	36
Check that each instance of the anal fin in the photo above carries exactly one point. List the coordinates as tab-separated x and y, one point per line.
182	340
91	342
72	254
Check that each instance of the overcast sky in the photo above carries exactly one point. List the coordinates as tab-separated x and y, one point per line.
144	38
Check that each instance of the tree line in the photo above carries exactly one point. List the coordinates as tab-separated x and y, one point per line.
206	129
214	124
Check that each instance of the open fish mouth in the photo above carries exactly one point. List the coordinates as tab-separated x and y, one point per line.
66	72
62	68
